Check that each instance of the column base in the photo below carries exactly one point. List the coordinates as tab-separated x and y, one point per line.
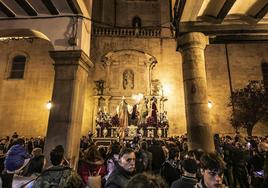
200	137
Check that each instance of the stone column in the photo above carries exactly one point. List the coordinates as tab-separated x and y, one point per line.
65	118
199	133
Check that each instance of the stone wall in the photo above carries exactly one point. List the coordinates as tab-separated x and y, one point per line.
23	101
245	64
121	12
168	69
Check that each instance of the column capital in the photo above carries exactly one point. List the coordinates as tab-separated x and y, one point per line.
106	61
71	57
192	40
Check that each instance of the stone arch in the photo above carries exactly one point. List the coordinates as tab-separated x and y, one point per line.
27	35
22	34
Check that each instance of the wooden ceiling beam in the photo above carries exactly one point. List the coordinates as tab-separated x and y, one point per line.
27	7
225	9
6	10
178	9
51	7
239	39
262	12
208	29
73	6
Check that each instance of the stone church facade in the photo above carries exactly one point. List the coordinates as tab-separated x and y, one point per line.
128	44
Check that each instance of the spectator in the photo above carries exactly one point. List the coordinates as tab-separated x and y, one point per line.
58	175
147	155
124	170
112	158
15	135
212	167
188	179
16	159
158	156
146	180
92	164
33	170
169	170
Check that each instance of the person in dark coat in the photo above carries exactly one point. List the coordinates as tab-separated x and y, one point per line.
169	170
188	179
16	157
15	161
146	180
158	156
124	169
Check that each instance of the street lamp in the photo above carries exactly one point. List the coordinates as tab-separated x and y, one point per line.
49	105
210	104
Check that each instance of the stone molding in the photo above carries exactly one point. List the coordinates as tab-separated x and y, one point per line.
72	57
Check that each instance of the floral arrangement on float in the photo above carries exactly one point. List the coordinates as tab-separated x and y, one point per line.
103	119
163	120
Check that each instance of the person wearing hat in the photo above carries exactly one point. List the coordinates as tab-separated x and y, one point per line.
92	164
16	160
188	179
17	157
33	170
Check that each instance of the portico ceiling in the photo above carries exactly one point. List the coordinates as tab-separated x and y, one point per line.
42	8
244	19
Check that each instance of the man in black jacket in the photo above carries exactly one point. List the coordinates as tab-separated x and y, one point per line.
124	169
188	179
158	156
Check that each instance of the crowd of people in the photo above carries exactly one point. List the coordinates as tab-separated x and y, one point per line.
237	162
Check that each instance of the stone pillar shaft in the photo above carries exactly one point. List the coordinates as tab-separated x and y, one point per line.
199	133
65	119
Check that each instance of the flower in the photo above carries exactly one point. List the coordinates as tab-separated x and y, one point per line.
163	121
103	119
151	121
115	120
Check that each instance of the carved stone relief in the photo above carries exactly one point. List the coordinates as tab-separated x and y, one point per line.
128	79
128	72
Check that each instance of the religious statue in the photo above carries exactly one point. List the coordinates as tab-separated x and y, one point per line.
144	111
134	117
100	86
122	111
128	79
154	110
156	87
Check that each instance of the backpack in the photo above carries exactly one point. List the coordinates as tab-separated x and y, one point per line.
51	179
62	177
